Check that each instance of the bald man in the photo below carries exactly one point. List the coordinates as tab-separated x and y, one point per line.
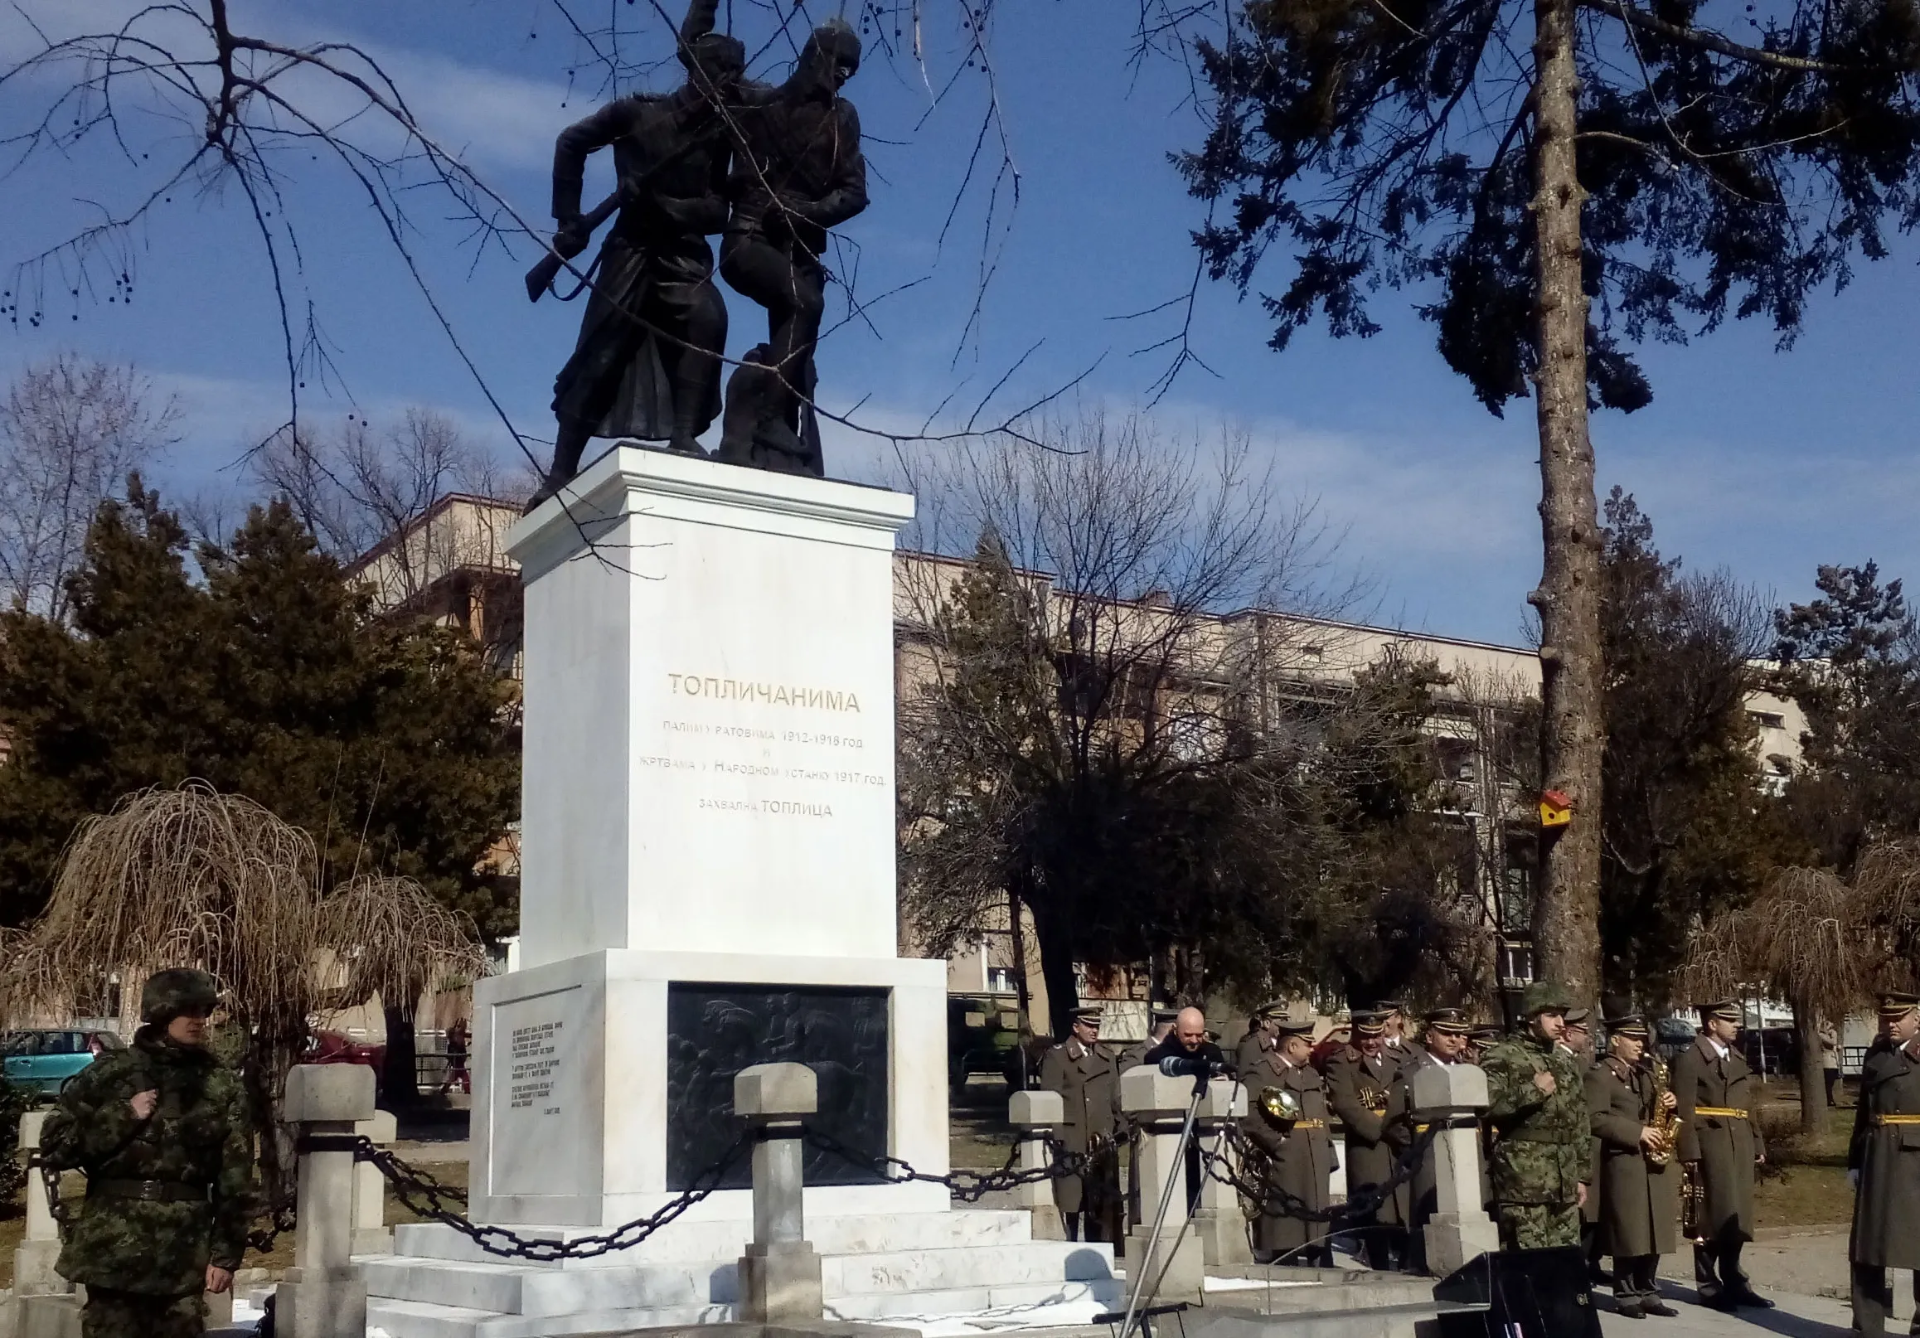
1190	1041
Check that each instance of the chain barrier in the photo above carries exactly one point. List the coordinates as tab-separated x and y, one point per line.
427	1197
966	1184
50	1179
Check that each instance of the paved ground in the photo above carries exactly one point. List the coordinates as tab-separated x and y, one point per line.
1805	1274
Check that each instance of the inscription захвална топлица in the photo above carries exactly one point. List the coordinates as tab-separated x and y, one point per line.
535	1061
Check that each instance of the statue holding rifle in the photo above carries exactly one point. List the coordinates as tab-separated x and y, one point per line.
647	362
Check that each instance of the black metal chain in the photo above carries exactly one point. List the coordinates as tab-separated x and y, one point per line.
966	1184
428	1198
50	1178
262	1238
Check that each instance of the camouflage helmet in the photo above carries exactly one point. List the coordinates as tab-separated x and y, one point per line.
1543	996
168	994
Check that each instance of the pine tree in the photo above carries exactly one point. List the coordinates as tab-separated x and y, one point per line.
391	743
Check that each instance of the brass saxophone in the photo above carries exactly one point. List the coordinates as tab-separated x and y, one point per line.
1666	1123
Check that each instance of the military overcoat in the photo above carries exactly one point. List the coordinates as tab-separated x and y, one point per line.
168	1195
1724	1145
1301	1159
1088	1081
1370	1098
1886	1152
1639	1202
1540	1152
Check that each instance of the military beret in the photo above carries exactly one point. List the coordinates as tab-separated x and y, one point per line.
1896	1004
181	989
1543	996
1448	1021
1727	1010
1632	1025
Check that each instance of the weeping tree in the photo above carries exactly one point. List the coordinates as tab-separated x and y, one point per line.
1638	171
1823	943
193	877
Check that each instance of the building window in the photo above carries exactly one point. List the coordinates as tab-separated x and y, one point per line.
1000	980
1516	965
1768	719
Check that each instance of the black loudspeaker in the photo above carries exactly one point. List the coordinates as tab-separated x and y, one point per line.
1528	1294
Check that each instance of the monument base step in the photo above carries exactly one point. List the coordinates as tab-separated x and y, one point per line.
993	1269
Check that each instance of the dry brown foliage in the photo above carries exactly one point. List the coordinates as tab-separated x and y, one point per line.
193	877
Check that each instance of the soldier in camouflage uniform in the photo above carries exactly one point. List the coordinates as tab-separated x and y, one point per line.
160	1131
1539	1110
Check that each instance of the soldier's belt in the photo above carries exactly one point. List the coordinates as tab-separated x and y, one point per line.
1309	1124
1721	1112
147	1191
1895	1119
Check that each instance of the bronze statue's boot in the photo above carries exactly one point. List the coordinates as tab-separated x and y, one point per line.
570	444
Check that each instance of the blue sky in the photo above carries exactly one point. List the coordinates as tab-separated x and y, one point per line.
1760	462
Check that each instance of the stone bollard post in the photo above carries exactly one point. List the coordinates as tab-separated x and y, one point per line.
1459	1231
1218	1221
323	1295
1036	1114
779	1273
371	1234
1159	1105
33	1261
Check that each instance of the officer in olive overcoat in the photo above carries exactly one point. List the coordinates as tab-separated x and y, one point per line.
1369	1095
1884	1164
1638	1194
1300	1160
1087	1077
1719	1137
1261	1035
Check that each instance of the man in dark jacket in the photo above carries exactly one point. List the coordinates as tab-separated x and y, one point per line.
1883	1162
1719	1136
160	1131
1190	1040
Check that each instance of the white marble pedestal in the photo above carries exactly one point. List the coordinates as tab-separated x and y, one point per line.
708	801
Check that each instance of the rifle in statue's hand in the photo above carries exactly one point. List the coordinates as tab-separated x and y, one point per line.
570	242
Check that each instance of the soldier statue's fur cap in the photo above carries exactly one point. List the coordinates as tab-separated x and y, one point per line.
181	989
1543	996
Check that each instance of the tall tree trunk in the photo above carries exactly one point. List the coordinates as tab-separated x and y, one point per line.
399	1075
1056	968
1023	996
1813	1078
1566	931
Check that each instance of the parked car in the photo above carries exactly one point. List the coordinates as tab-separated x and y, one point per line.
1770	1051
332	1047
44	1061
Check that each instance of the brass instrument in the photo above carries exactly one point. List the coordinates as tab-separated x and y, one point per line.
1693	1204
1665	1122
1373	1099
1281	1105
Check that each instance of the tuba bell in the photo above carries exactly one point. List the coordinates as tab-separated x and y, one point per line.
1281	1105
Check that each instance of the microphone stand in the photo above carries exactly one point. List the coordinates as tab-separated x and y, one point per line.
1176	1180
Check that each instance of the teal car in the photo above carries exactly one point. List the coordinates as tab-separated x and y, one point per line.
42	1062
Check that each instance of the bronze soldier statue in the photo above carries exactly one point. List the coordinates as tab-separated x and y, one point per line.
1369	1095
1088	1080
160	1129
1297	1145
1719	1136
1637	1184
799	173
1883	1161
647	362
